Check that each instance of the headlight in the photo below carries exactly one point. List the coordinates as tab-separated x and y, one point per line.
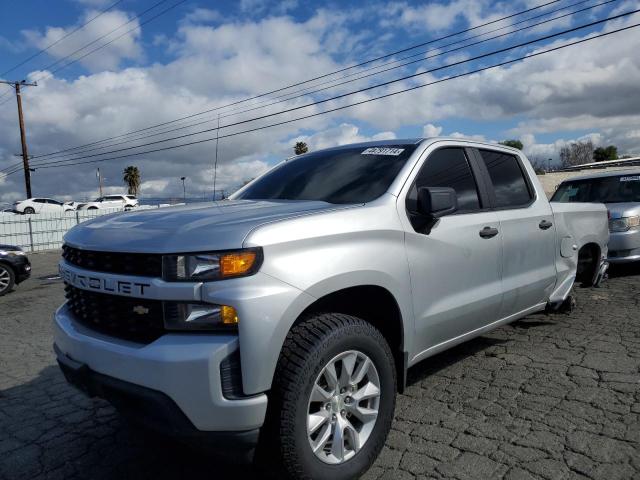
199	316
623	224
202	267
12	253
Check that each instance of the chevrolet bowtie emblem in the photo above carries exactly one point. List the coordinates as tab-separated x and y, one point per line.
140	310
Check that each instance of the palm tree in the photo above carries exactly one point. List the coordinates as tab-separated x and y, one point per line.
131	178
300	148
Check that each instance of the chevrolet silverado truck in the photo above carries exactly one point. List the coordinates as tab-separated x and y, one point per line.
286	317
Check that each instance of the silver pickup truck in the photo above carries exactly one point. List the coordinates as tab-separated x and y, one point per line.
286	317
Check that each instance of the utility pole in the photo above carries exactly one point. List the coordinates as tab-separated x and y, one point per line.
23	137
184	189
215	166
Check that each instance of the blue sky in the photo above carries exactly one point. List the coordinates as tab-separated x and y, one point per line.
202	54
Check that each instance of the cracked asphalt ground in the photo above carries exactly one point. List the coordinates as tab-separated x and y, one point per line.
548	397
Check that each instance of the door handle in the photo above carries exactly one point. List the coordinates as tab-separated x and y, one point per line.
488	232
545	224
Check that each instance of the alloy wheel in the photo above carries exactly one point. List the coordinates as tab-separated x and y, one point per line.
343	407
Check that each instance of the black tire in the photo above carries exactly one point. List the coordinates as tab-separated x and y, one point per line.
307	349
587	265
29	210
92	208
5	271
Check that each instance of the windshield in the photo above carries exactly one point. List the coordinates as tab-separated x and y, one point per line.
351	175
618	189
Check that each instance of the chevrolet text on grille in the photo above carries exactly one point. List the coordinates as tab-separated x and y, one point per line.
89	282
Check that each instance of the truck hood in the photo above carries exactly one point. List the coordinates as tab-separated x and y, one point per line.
627	209
189	228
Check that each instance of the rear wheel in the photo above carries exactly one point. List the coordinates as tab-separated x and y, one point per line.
7	279
587	265
29	210
333	398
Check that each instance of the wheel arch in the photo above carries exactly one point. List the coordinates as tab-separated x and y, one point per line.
588	263
374	304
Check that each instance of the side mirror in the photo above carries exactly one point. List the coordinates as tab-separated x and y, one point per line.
436	202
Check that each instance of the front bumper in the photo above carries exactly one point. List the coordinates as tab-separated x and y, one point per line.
153	409
183	367
624	247
21	267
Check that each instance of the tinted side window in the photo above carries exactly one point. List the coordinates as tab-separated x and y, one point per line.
508	179
39	200
449	167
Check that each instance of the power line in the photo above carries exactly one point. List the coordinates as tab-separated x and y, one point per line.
39	52
360	77
135	17
336	97
50	74
382	57
507	62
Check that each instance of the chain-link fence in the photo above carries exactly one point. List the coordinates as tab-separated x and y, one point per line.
43	231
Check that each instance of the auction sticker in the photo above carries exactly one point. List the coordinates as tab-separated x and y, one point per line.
383	151
635	178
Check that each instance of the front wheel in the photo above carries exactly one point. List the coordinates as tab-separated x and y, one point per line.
29	210
333	399
7	279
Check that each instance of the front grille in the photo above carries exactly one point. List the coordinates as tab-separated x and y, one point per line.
142	264
135	319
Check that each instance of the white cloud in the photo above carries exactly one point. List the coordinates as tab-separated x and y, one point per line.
343	134
476	137
576	89
439	16
430	130
109	57
202	15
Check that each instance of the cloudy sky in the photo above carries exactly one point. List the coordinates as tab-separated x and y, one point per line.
142	63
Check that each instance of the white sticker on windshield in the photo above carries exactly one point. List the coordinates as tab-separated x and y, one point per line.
635	178
383	151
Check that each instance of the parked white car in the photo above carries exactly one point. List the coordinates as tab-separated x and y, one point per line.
111	201
41	205
8	212
73	205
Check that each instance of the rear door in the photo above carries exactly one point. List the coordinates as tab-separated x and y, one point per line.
455	271
528	233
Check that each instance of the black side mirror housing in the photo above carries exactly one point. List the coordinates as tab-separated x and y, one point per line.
436	202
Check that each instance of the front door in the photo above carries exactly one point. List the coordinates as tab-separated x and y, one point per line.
455	271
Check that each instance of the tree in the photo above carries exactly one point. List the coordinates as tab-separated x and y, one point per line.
576	153
300	148
602	154
538	165
512	143
131	178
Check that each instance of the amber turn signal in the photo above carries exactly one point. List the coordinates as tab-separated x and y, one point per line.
238	263
229	315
